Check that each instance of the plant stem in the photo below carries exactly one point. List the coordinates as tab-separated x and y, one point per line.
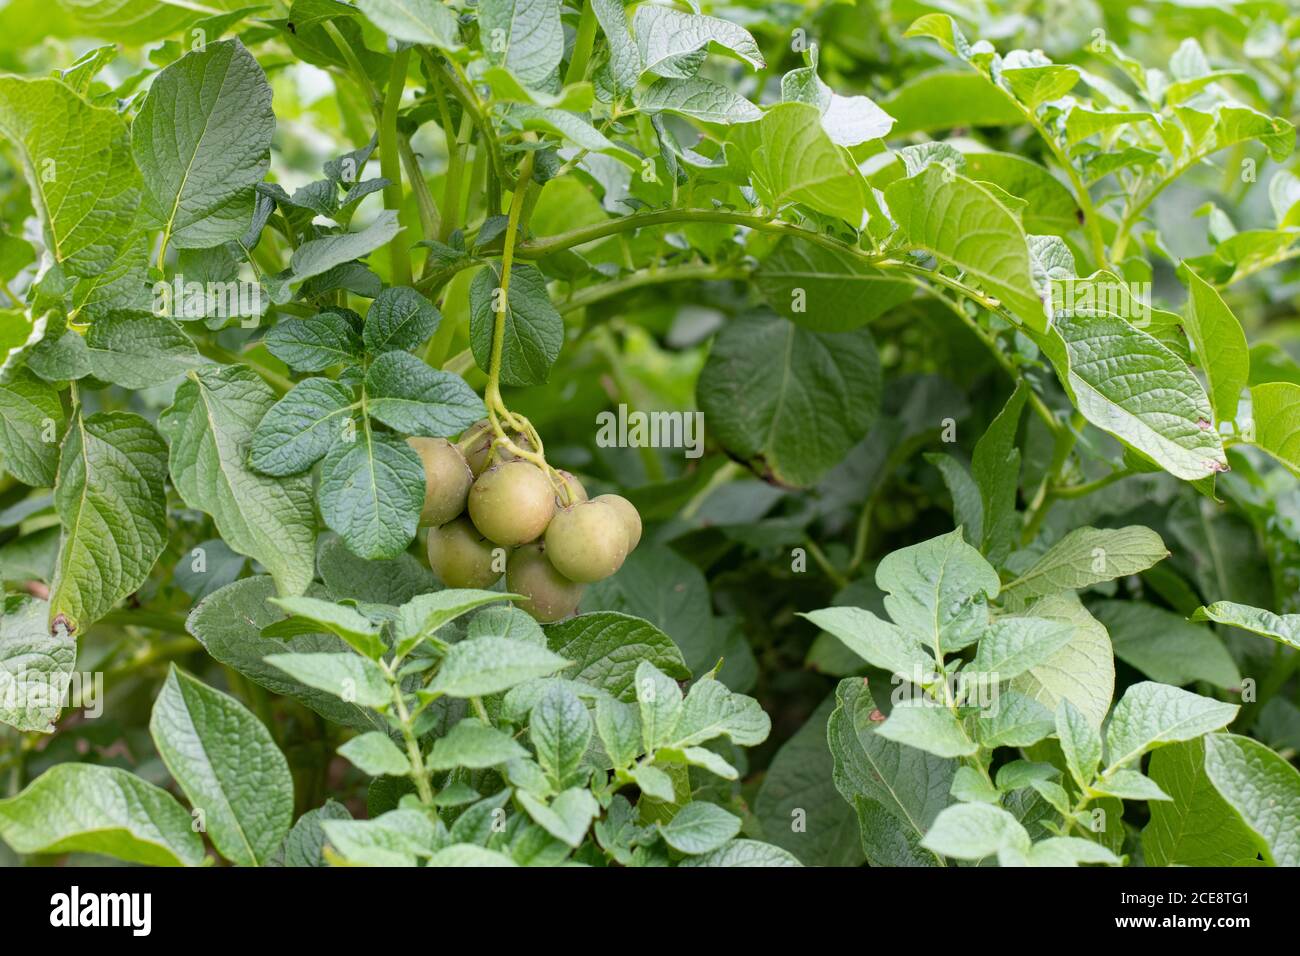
419	775
832	572
390	164
691	271
582	45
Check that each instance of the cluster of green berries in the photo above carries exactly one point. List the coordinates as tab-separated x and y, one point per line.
480	498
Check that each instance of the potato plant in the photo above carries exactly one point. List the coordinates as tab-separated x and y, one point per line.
534	432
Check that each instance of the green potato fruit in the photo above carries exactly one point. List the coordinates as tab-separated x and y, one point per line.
461	557
447	480
512	503
631	517
476	445
576	491
547	595
587	542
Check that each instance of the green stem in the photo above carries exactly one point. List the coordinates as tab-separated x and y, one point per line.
391	166
832	572
169	622
582	45
419	775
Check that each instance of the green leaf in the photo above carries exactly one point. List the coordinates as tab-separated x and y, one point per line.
1013	645
660	701
1082	672
424	614
88	209
766	379
964	224
826	290
973	831
315	343
35	665
318	256
896	790
1196	827
489	665
474	745
619	727
744	853
1088	556
712	710
1128	384
375	753
85	808
798	805
1276	410
624	57
467	854
1052	210
350	578
667	38
314	616
202	140
1263	789
31	420
607	647
698	98
560	729
653	783
113	508
877	642
414	21
568	816
995	468
210	426
938	591
1164	647
303	845
1150	714
1283	628
534	331
929	726
1131	785
395	838
371	493
1220	346
795	161
302	426
943	99
400	318
1080	742
407	395
699	828
526	36
139	351
350	678
229	622
1012	720
228	765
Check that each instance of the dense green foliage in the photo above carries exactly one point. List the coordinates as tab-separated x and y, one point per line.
988	549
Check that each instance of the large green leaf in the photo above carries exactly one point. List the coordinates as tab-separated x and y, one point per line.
1150	715
668	40
1197	827
210	426
202	140
1283	628
371	493
113	508
88	207
938	591
526	36
31	421
85	808
1088	556
964	224
534	331
1276	409
139	351
1082	672
1220	344
488	665
606	648
302	426
228	765
826	290
1166	647
698	98
415	21
766	380
405	394
795	161
1264	790
1127	383
35	665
